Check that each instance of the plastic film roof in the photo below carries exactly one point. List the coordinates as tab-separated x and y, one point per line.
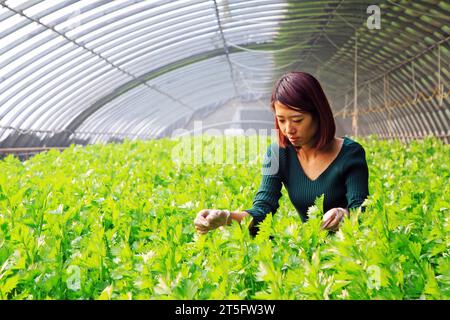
98	71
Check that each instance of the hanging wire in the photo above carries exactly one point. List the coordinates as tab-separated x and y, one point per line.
70	132
297	46
251	90
391	104
322	31
265	69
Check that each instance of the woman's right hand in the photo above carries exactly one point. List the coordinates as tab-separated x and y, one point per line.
209	219
333	217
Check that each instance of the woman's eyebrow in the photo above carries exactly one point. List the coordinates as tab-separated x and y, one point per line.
293	116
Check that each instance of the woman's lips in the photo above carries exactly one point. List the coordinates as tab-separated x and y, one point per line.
295	141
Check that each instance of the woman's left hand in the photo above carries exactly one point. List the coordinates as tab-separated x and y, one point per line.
332	218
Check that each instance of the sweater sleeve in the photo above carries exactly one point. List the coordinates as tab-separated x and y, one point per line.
269	192
356	175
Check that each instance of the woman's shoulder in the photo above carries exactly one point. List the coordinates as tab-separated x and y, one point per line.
352	147
349	142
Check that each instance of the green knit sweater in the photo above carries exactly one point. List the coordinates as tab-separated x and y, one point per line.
344	182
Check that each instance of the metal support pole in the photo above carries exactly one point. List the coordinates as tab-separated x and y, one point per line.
355	100
344	115
440	86
386	104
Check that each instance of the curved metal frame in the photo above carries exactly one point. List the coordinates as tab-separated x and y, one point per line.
173	75
59	79
107	122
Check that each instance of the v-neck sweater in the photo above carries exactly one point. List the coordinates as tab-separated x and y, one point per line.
344	182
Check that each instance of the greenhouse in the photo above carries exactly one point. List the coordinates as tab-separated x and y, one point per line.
130	128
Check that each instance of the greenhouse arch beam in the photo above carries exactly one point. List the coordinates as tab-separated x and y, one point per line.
148	76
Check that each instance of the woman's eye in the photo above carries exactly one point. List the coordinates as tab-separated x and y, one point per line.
297	121
281	121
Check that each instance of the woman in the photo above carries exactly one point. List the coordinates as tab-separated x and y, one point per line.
309	160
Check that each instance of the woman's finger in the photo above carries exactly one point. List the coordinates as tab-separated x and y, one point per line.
333	226
202	231
204	213
334	223
201	221
200	227
328	218
329	214
326	223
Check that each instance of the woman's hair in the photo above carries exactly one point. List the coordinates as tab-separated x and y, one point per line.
302	92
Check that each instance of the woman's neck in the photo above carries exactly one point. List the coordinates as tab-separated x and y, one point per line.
309	153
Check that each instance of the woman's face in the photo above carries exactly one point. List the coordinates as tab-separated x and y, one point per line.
299	127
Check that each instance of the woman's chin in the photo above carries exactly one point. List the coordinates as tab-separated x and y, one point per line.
296	143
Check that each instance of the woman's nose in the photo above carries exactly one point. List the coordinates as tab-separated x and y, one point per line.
290	128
